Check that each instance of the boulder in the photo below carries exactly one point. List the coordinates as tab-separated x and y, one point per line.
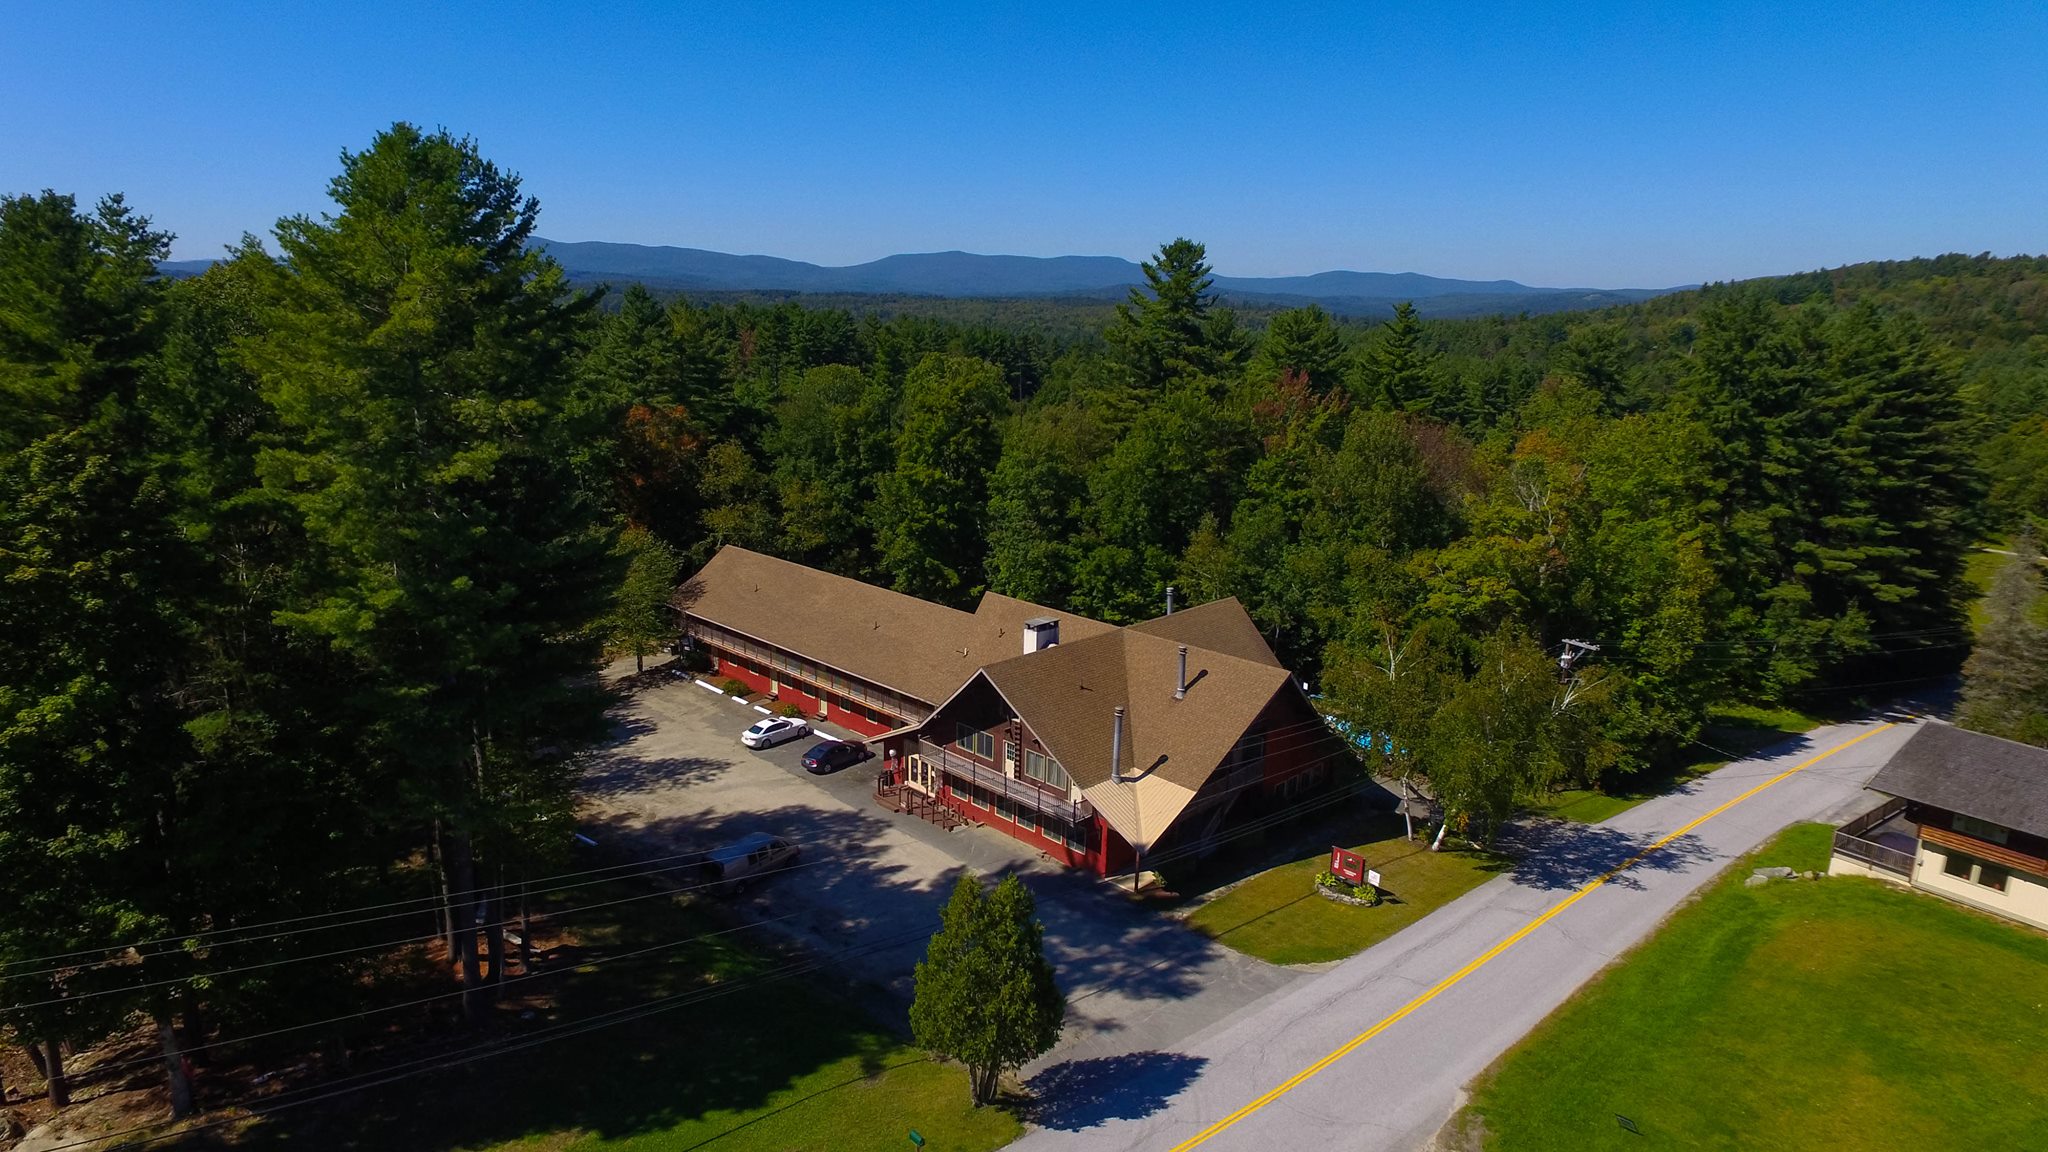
1776	872
1755	880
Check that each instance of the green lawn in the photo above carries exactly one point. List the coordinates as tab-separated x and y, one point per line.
1277	917
1821	1014
1732	732
1979	569
780	1066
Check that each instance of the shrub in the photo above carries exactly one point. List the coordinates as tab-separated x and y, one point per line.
789	710
734	687
1343	887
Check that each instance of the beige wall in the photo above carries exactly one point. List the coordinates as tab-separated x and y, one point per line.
1840	865
2025	897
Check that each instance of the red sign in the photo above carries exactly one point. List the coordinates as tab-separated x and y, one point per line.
1347	864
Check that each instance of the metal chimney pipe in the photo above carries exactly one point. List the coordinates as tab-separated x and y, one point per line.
1116	747
1169	599
1180	683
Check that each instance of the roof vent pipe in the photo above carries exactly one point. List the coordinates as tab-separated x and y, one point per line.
1116	747
1180	682
1169	599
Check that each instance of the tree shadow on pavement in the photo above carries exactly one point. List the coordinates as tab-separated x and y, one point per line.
1084	1093
1568	856
618	774
1100	943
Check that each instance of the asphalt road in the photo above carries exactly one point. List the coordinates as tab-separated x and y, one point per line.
1372	1054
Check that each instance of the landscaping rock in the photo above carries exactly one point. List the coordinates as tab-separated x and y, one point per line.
1345	898
1776	872
1810	874
1755	880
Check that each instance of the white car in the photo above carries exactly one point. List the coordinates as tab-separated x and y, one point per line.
755	855
774	730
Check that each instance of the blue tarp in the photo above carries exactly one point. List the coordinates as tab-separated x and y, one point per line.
1367	741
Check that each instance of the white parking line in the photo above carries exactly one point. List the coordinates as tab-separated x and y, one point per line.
761	710
709	687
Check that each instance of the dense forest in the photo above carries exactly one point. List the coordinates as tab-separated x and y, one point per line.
308	559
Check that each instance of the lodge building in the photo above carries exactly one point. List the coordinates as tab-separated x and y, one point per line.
1098	745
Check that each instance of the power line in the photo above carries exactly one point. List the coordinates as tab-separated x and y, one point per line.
425	903
579	969
217	972
566	1030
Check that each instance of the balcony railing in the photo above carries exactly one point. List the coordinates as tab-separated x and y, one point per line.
1874	817
1017	791
1874	854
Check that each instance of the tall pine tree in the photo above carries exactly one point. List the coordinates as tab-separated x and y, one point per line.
417	356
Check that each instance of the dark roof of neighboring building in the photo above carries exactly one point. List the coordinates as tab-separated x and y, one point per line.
1220	626
2002	781
914	646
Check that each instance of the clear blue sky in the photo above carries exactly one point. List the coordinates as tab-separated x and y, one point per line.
1638	144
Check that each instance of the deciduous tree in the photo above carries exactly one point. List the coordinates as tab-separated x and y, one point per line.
934	500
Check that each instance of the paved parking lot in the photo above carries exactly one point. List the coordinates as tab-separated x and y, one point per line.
870	884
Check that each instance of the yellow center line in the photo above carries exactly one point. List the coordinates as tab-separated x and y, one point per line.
1445	984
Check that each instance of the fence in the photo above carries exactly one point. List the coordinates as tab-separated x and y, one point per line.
1849	841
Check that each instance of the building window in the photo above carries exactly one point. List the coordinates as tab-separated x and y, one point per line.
1078	836
1010	757
1045	770
1981	829
1976	871
978	742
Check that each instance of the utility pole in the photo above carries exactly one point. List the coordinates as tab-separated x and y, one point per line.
1573	650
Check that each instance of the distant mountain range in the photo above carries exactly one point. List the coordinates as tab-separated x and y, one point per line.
968	275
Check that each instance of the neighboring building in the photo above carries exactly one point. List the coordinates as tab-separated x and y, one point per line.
1096	744
1968	820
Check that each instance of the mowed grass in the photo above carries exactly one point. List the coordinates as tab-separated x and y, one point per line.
1805	1014
748	1062
1980	568
1277	916
1732	732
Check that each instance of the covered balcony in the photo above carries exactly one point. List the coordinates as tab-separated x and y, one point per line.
1019	792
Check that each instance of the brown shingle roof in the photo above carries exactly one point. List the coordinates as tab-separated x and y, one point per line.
1069	697
1220	626
914	646
2002	781
1067	694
